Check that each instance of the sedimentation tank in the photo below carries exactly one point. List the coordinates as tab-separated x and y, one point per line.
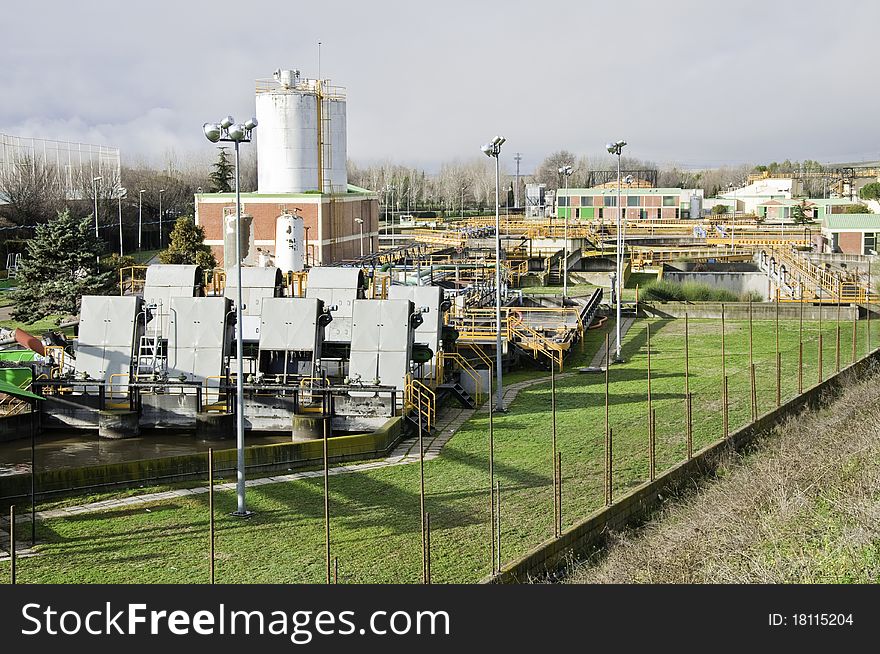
302	133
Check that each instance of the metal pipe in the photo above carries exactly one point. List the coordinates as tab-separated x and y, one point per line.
140	217
326	499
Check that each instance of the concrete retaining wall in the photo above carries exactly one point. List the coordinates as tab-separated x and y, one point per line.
637	505
17	426
740	310
737	282
281	456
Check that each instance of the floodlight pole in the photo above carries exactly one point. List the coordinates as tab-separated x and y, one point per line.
227	131
119	199
140	217
95	188
499	405
239	352
617	356
161	191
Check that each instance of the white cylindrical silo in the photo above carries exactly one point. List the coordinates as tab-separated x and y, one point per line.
289	117
287	146
289	243
335	169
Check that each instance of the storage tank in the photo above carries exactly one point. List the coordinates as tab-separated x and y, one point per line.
248	250
289	243
696	207
287	110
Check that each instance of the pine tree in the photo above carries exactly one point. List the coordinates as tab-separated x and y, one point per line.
187	245
222	174
59	267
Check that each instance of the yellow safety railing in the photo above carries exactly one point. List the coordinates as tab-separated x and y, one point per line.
466	367
218	404
118	391
297	282
821	284
215	281
132	279
421	399
536	342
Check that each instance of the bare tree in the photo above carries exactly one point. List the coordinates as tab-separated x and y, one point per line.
33	188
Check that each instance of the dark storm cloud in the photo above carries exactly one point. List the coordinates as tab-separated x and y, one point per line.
697	83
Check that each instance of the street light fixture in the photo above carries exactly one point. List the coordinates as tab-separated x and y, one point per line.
493	149
227	130
566	172
617	148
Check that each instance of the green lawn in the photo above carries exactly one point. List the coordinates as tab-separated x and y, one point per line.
375	516
36	328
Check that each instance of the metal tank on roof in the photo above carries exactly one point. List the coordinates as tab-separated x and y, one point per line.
289	243
302	138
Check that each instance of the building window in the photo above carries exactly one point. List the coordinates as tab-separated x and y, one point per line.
563	201
610	201
586	200
668	200
633	201
870	242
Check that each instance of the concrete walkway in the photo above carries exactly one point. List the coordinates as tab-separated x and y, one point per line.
625	323
449	421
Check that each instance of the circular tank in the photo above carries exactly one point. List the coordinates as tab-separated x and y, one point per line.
289	243
335	152
696	207
287	147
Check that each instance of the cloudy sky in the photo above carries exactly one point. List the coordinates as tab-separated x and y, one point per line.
695	83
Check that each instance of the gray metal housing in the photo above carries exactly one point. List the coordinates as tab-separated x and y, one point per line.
165	281
199	337
108	331
339	287
381	342
258	284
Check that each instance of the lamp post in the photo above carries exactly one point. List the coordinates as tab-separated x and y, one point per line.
227	130
360	222
617	148
122	193
566	172
161	191
140	216
493	149
95	181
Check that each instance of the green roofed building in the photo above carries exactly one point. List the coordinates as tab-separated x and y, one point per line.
852	233
638	203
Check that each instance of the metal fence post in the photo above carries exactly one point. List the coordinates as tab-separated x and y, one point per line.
211	505
554	452
725	417
12	545
608	471
754	394
326	499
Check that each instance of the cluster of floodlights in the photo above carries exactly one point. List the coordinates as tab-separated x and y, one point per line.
228	130
493	147
615	148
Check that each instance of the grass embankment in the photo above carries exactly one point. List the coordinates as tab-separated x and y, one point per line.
375	517
665	291
804	507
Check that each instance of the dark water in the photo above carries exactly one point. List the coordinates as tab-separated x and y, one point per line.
73	449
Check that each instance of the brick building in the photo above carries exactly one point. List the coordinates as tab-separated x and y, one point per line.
332	231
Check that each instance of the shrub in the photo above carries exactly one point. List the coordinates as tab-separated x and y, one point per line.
666	291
